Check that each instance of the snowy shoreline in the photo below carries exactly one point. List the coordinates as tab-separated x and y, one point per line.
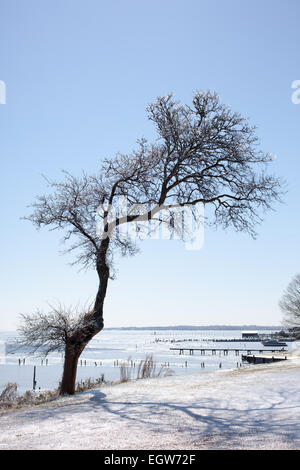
255	407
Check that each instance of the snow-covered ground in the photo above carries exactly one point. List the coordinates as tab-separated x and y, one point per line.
257	407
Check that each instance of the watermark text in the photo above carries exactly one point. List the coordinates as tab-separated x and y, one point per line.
296	94
2	92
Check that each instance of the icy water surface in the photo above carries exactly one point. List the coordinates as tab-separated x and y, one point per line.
112	347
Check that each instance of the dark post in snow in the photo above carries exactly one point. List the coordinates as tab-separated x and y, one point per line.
34	378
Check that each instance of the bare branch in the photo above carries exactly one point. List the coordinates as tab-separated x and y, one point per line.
43	333
290	304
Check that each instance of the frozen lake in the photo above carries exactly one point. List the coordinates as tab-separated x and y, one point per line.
112	347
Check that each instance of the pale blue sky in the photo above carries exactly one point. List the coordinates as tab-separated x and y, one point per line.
79	76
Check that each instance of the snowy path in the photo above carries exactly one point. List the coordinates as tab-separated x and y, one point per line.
251	408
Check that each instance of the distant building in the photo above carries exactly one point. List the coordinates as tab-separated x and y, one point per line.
250	335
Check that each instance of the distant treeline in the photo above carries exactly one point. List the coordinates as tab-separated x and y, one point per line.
191	327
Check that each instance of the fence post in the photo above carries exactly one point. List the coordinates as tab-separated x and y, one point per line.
34	375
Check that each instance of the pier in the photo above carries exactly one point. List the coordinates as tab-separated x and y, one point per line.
262	359
225	350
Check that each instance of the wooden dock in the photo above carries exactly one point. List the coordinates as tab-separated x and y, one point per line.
262	359
226	350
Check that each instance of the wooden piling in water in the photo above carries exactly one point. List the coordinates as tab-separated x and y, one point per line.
34	378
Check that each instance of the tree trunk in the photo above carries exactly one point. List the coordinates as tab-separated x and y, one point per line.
103	274
68	382
94	324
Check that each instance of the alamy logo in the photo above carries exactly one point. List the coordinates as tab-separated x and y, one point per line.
126	221
296	93
2	92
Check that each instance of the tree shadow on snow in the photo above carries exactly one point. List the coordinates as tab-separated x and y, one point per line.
277	415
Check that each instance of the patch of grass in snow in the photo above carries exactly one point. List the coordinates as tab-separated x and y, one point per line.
10	398
146	369
89	384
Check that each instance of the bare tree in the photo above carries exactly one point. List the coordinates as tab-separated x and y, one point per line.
205	153
290	305
55	331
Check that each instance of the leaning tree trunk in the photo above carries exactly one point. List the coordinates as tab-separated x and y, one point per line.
94	324
68	382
